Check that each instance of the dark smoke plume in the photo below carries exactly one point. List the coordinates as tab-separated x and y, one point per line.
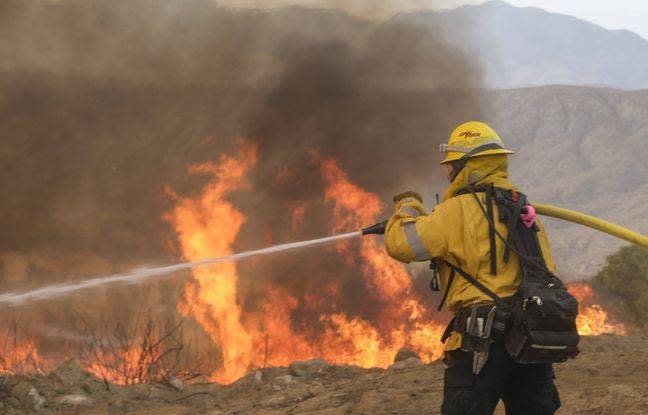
380	107
103	103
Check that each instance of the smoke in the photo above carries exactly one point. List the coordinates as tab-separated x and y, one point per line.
163	42
105	102
380	107
145	41
364	8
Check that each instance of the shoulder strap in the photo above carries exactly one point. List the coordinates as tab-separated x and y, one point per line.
476	189
451	279
456	270
491	230
510	204
537	263
489	191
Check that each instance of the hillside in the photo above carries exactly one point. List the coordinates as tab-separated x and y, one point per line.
516	46
579	148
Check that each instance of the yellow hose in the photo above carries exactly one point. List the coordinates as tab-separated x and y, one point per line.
592	222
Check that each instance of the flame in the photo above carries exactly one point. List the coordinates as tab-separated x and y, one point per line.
403	321
18	356
593	320
208	226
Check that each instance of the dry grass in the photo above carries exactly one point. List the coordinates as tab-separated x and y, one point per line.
144	351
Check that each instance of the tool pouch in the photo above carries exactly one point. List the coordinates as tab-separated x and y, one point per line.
476	335
542	326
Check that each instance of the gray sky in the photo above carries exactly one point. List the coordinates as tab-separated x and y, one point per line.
618	14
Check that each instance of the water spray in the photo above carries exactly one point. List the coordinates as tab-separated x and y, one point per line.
144	274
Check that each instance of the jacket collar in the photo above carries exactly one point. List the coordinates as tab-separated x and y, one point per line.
481	170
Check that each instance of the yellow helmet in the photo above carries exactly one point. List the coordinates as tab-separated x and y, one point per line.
472	139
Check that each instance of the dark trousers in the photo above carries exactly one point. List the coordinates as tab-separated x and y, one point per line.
525	389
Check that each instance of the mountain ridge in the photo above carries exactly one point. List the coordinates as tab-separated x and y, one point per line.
516	46
517	49
580	148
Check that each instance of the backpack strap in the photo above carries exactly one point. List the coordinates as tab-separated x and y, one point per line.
434	282
454	270
516	209
448	330
537	263
491	198
491	230
451	279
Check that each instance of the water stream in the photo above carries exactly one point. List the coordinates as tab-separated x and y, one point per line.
143	274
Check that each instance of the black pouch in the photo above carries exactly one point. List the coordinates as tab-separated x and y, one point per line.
543	323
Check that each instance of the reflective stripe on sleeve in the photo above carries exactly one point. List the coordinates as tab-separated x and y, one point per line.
421	253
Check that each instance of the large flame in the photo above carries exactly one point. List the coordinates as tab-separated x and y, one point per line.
593	320
208	226
403	321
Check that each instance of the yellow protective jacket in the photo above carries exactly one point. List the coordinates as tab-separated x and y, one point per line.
457	232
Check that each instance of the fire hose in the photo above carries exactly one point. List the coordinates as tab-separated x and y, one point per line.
564	214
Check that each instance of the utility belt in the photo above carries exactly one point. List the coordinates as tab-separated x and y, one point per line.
482	320
533	331
479	325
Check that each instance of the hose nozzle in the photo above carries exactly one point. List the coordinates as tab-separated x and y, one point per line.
377	229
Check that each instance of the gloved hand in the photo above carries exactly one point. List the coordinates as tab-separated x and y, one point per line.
407	195
409	205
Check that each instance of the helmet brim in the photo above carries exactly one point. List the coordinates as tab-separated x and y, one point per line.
454	156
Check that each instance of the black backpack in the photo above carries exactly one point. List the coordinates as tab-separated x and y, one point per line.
540	319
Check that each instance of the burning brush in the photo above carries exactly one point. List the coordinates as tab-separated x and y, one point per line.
316	325
593	320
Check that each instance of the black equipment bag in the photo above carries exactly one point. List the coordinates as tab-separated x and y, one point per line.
542	323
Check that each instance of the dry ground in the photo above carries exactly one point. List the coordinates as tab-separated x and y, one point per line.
610	377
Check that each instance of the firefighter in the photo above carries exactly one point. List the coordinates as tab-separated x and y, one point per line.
458	237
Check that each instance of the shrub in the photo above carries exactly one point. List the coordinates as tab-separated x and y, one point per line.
624	277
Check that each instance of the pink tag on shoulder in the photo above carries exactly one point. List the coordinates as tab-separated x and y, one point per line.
529	217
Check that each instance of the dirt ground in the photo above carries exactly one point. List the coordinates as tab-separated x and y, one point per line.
609	377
